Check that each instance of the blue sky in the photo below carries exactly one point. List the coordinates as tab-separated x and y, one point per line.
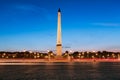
86	24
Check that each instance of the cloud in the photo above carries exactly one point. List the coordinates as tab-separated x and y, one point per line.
113	48
107	24
34	9
29	7
25	7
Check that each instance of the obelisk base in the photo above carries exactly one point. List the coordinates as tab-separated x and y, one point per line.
58	57
59	50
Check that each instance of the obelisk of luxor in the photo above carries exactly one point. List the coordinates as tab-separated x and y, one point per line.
59	40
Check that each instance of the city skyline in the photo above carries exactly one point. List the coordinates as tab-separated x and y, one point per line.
86	25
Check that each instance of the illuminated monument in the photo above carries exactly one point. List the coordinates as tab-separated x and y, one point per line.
59	41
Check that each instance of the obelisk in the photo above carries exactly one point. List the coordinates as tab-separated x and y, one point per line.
59	40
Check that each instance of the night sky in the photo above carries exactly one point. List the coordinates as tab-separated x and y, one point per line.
86	24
